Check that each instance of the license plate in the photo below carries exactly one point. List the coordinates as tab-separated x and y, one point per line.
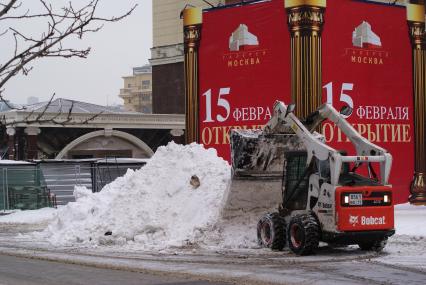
355	199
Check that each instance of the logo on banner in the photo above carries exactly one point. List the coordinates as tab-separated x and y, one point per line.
364	37
367	46
244	49
242	39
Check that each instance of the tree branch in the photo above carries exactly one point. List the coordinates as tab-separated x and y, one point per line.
62	24
7	7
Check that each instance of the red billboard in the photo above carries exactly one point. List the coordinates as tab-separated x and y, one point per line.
367	65
244	67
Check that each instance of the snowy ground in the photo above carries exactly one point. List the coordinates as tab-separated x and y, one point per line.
408	246
173	201
161	214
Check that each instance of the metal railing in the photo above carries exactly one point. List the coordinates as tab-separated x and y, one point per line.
23	187
50	183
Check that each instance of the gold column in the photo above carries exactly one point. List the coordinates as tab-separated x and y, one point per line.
192	22
416	24
305	20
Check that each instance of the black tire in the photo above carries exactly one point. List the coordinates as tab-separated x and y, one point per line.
303	234
271	231
375	245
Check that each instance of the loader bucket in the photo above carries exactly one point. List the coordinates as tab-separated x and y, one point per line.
257	161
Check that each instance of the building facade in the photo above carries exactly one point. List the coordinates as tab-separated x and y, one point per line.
67	129
137	90
167	54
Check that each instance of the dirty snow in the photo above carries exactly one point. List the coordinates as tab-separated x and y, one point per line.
156	207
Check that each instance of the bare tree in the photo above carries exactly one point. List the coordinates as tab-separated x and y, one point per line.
61	24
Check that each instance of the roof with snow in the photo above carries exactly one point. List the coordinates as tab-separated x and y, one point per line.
87	115
61	105
142	69
5	106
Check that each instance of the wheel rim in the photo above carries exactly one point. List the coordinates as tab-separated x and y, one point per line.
266	233
296	235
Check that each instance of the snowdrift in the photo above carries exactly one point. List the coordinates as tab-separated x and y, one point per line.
155	206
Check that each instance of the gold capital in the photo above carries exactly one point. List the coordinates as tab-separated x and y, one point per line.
297	3
416	13
192	16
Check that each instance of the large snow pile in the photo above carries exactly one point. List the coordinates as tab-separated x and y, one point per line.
155	206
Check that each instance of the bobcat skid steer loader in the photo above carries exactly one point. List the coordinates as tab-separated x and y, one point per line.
318	193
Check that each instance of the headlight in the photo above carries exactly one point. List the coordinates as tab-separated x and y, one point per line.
346	200
386	199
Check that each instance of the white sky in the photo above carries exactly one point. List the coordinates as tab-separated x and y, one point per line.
115	50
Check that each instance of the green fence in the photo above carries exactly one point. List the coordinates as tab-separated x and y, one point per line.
23	187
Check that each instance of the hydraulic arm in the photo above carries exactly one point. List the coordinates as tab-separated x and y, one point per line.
366	151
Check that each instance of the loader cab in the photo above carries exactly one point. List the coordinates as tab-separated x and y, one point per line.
349	174
295	180
324	168
353	178
352	175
